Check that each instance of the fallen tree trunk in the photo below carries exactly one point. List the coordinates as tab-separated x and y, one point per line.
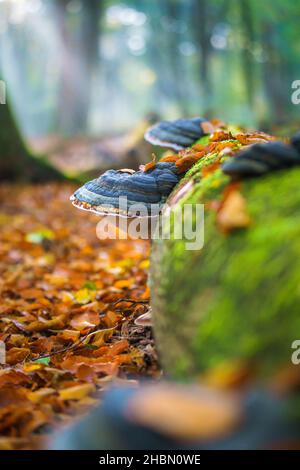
232	307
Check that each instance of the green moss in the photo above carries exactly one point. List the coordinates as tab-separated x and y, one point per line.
238	298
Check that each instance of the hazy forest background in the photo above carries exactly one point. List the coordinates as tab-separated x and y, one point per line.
97	67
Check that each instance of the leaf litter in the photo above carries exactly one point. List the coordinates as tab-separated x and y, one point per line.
68	303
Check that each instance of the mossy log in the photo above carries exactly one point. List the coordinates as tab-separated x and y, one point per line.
233	304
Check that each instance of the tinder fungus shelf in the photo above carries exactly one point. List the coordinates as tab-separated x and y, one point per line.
126	192
178	134
230	311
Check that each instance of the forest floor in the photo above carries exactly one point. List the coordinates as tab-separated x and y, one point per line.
92	155
65	319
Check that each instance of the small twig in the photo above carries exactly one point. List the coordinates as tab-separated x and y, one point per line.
131	301
73	346
129	337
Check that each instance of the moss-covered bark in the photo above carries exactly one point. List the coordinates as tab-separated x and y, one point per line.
237	299
16	162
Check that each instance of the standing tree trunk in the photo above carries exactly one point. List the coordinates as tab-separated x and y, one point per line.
246	15
202	28
274	87
16	162
173	10
78	59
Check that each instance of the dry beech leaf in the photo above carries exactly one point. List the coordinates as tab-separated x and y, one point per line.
185	413
56	322
170	158
150	165
233	213
74	363
38	419
219	135
12	443
40	394
207	127
77	392
15	355
69	335
209	169
253	138
85	320
185	163
13	377
11	395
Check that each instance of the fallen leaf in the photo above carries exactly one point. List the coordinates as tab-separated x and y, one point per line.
77	392
84	296
15	355
233	213
207	127
43	360
40	236
39	395
85	320
149	165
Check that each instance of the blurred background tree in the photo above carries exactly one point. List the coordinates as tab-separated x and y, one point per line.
78	60
17	161
97	67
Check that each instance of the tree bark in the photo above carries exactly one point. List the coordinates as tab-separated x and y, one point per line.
78	58
173	9
16	162
202	30
274	88
247	58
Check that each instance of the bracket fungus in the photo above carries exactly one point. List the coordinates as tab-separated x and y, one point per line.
260	159
145	190
128	193
178	134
